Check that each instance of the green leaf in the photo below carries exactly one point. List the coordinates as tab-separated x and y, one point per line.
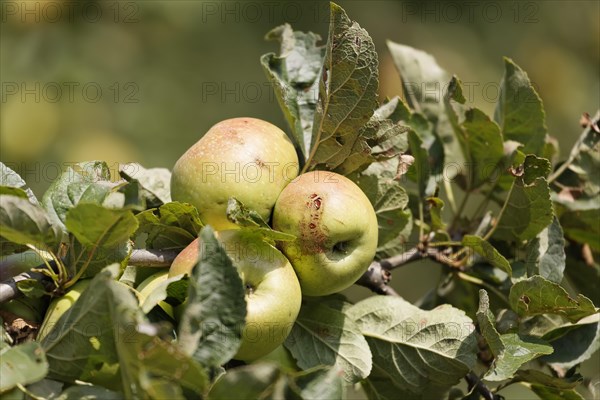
253	223
105	328
321	383
582	226
265	380
26	223
535	167
435	206
582	274
419	171
482	146
417	354
545	254
579	177
155	182
549	393
325	335
389	199
211	325
347	93
46	388
422	79
487	251
294	74
540	378
78	392
31	288
574	343
519	111
86	182
424	82
510	350
528	211
21	365
255	381
102	237
94	225
239	214
97	257
536	295
171	226
12	183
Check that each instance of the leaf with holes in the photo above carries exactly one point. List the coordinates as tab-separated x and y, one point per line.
510	350
347	93
536	295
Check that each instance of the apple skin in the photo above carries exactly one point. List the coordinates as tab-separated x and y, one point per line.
335	227
273	295
246	158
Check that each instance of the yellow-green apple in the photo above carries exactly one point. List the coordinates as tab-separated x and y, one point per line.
273	294
246	158
335	227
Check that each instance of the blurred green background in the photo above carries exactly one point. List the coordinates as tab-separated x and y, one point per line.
141	81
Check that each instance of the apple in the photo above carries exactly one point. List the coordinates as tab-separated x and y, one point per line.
273	293
246	158
60	305
335	227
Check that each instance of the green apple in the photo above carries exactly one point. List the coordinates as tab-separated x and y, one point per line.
149	285
60	305
273	293
335	227
246	158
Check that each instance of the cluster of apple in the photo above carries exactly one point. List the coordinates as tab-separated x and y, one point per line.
332	220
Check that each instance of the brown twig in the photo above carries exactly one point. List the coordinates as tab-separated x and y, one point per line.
474	382
9	289
152	258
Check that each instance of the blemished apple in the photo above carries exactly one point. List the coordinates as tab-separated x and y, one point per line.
273	295
246	158
335	227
